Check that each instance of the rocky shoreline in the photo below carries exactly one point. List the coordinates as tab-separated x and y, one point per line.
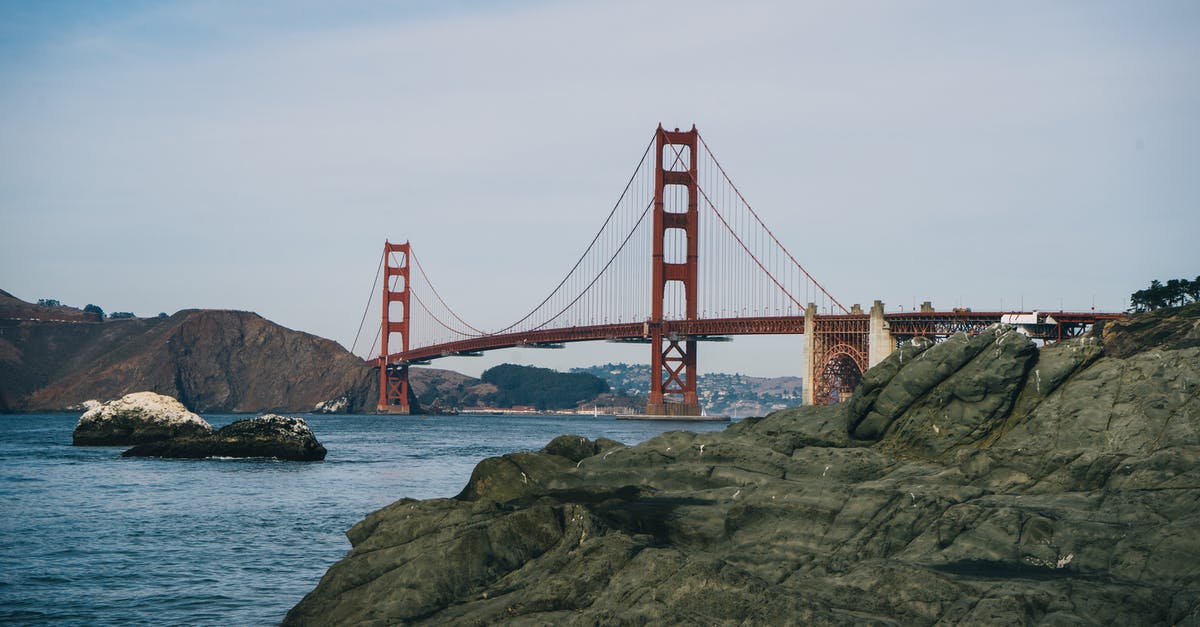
979	480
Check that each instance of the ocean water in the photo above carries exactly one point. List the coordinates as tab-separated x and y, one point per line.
90	538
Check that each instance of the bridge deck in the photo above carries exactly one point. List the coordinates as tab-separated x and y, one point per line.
905	325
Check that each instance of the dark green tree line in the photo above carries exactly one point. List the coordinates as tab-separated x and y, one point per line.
542	388
1173	293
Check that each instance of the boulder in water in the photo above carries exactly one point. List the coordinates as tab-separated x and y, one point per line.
137	418
282	437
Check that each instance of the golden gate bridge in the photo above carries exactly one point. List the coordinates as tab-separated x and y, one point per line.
682	258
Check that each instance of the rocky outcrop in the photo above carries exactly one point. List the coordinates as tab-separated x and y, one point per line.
977	481
137	418
281	437
337	405
1162	329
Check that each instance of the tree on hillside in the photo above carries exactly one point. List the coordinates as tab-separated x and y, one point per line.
1193	290
49	302
542	388
94	309
121	314
1176	292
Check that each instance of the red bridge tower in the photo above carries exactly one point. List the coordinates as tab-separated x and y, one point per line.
393	380
673	364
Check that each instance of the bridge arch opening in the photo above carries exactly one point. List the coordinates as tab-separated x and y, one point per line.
841	372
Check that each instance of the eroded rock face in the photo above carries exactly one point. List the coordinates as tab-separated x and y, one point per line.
982	483
135	419
1162	329
281	437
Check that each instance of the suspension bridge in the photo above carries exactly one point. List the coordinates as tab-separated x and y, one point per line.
682	258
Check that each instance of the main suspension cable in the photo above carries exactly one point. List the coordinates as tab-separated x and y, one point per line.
760	222
602	270
589	248
736	237
417	262
378	270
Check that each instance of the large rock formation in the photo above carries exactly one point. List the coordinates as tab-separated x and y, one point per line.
135	419
977	481
281	437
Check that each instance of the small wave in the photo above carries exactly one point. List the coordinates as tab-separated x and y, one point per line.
23	617
19	479
64	552
50	579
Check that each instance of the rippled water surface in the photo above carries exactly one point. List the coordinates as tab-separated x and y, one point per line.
90	538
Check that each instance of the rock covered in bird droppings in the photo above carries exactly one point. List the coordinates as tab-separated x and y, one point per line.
282	437
339	405
137	418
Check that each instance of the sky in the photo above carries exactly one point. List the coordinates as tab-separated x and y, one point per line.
256	155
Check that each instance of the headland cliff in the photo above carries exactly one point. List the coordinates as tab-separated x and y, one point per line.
56	358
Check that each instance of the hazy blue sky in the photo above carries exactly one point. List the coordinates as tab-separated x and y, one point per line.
254	155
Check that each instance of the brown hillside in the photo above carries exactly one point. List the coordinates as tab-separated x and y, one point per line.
212	361
13	308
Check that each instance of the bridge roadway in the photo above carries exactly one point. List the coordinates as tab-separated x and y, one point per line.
1052	326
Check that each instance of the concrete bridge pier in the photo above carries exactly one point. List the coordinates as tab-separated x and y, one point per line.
880	342
834	341
809	370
